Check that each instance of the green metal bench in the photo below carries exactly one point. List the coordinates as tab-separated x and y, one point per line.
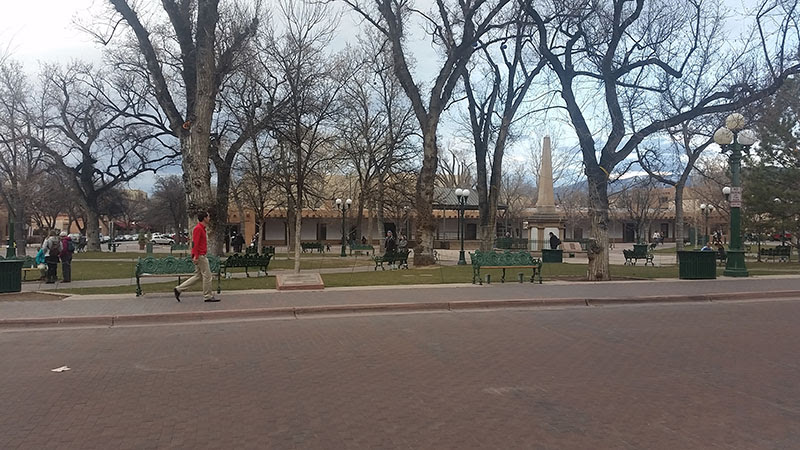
310	246
783	253
170	266
361	248
506	260
260	261
399	258
632	257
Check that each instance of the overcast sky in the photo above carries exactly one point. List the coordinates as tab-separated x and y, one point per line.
34	31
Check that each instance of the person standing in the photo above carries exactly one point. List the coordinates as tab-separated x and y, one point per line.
52	248
67	249
200	260
554	241
238	242
390	245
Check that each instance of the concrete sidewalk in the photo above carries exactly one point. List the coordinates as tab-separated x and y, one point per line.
109	310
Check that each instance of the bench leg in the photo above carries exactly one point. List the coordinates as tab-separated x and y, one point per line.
219	282
138	288
503	278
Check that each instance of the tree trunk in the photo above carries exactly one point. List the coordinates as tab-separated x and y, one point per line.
359	217
426	225
196	172
20	240
380	226
261	230
92	230
679	217
370	213
219	220
597	247
298	223
290	236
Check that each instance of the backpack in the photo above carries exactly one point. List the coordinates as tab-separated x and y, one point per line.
55	249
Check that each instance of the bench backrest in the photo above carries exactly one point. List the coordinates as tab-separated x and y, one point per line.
28	262
265	250
237	260
171	265
506	258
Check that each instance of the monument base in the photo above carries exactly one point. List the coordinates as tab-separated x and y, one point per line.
299	282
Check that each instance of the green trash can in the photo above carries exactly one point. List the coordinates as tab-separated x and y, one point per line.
11	275
697	265
149	248
552	256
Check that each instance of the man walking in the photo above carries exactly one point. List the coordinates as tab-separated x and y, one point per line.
201	267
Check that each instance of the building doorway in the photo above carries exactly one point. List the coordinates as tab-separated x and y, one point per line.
664	230
628	232
471	232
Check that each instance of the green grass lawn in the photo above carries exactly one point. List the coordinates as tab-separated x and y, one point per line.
107	255
428	275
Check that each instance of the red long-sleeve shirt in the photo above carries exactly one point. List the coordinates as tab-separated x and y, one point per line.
199	241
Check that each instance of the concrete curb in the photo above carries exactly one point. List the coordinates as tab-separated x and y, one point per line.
299	312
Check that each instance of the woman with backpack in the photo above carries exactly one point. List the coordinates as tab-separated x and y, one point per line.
52	248
67	249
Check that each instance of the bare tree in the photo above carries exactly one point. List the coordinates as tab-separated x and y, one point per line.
167	206
628	53
493	101
304	130
456	29
457	170
186	54
21	165
92	143
517	193
642	202
257	181
375	129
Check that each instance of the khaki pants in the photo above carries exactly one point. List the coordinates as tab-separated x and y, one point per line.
201	270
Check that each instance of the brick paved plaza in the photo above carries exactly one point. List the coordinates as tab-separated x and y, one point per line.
705	375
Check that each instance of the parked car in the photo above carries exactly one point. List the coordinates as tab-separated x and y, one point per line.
104	239
159	238
782	236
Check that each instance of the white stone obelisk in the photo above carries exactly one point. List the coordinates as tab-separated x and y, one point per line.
546	203
545	219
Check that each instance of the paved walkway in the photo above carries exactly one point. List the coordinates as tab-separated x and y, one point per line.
110	309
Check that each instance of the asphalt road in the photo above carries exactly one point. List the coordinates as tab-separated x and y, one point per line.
676	376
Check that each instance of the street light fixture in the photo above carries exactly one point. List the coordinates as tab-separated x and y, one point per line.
735	139
461	195
706	210
343	207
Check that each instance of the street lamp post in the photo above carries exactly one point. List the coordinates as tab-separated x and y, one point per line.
734	138
461	196
706	210
343	207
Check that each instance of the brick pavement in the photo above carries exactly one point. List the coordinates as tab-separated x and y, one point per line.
154	304
689	376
